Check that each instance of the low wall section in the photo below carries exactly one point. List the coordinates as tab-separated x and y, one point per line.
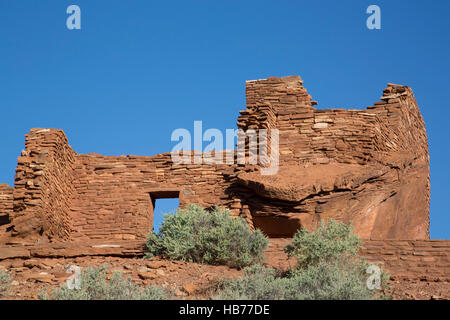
427	260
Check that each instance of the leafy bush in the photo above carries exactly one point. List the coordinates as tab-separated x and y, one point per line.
329	268
196	235
328	242
323	281
95	286
5	281
258	283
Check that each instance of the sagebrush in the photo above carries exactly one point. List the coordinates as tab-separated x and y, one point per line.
331	241
95	286
323	281
329	268
5	281
213	237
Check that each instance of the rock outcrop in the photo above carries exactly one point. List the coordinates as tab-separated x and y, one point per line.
368	167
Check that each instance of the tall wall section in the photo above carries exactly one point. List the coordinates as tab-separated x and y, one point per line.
44	186
6	208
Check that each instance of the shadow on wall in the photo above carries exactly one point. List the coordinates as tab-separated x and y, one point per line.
277	226
4	219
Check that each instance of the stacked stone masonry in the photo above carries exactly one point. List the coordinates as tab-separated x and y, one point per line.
6	205
44	186
425	260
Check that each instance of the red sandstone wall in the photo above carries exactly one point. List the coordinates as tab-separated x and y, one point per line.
403	259
405	148
420	259
44	186
286	92
399	111
113	194
6	206
64	196
308	135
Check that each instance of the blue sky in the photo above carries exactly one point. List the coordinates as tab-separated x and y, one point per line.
137	70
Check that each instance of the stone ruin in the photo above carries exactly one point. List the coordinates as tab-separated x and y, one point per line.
366	167
369	167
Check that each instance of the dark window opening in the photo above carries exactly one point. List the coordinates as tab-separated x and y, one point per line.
277	226
4	219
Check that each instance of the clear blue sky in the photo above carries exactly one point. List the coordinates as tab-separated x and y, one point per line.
137	70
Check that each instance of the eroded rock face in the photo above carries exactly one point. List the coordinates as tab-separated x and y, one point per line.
299	183
372	198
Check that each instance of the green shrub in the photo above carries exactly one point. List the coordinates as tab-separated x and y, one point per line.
329	268
196	235
258	283
95	286
323	281
328	242
334	280
5	281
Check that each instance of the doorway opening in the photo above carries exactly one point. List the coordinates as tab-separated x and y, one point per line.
4	219
277	226
163	202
